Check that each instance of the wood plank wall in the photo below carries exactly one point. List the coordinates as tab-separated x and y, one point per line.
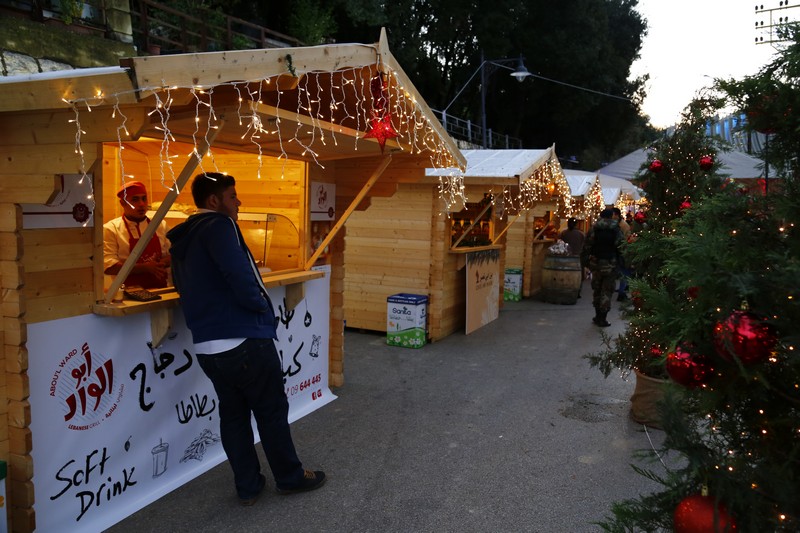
44	275
387	251
515	238
402	244
443	265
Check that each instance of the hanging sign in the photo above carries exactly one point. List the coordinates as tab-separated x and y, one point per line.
483	288
73	207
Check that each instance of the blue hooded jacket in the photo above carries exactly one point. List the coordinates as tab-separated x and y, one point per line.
221	296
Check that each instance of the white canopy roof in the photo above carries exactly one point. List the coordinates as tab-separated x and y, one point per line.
517	164
580	181
610	183
738	165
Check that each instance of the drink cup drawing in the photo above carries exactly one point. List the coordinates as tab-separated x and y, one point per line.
160	458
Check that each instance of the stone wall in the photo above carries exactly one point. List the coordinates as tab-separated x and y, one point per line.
28	47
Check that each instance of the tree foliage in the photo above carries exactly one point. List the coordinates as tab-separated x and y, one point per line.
587	43
711	250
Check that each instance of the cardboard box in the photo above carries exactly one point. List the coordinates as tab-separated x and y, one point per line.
406	320
512	285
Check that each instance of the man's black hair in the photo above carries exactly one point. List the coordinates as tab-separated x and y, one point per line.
208	184
607	213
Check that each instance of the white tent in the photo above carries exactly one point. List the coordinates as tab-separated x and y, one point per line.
623	188
580	181
738	165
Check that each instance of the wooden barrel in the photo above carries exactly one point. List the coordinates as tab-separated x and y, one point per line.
561	279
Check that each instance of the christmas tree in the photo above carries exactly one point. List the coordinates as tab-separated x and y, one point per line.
716	308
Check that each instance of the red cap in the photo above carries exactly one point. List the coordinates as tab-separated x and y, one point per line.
132	187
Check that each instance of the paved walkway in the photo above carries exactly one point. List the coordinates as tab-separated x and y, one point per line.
505	430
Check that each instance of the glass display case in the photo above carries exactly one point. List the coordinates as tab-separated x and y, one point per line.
273	239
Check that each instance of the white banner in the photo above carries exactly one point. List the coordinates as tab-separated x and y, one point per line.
117	424
483	288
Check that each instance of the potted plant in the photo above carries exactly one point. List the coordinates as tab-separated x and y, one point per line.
675	290
632	352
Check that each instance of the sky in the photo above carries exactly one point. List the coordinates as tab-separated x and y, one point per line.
691	42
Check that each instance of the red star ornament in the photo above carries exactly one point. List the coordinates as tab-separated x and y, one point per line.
381	129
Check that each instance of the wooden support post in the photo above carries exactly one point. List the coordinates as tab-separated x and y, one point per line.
466	231
160	322
506	228
294	295
172	195
352	207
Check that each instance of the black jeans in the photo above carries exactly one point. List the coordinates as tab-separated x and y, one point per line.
249	378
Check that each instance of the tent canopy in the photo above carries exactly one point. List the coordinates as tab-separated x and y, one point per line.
738	165
625	188
580	181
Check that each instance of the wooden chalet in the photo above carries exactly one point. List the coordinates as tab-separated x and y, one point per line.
334	126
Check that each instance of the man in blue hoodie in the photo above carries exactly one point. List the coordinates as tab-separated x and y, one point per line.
233	326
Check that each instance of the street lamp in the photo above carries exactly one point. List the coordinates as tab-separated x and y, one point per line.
519	73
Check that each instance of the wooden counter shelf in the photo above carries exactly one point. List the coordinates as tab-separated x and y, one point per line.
470	249
169	297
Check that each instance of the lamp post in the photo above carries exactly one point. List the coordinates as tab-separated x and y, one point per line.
520	73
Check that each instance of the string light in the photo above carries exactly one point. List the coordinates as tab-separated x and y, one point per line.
349	97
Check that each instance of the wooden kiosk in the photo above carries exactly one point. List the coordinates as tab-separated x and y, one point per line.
422	239
103	410
528	242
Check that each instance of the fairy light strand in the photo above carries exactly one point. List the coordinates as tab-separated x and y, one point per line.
349	97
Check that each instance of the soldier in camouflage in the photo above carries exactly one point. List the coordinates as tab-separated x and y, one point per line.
601	252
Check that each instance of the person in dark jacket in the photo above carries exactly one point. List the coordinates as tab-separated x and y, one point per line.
601	252
233	325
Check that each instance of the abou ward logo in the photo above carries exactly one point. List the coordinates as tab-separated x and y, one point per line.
83	383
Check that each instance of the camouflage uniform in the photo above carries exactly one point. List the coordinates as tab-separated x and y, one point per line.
601	253
604	279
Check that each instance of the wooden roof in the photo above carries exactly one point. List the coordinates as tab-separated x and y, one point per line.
310	103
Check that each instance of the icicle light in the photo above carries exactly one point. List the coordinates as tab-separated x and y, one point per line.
320	114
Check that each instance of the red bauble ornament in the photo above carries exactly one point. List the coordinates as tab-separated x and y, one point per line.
689	369
686	204
746	336
695	514
656	166
381	129
692	292
656	351
706	162
636	299
640	217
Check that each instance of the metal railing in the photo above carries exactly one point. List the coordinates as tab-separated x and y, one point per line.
472	133
156	27
173	31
